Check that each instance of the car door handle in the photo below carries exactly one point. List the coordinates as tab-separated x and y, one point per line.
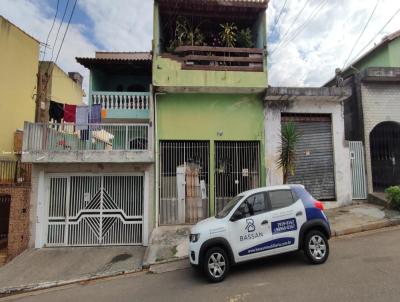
264	222
299	213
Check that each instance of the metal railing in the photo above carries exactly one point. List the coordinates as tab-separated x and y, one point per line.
121	100
73	137
14	172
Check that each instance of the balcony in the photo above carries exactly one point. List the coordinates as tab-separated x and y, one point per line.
220	58
123	105
91	143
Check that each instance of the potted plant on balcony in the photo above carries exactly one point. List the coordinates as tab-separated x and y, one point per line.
228	34
245	38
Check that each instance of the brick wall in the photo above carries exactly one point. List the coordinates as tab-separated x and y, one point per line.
381	102
18	232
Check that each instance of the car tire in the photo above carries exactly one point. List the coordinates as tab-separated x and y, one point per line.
316	247
216	264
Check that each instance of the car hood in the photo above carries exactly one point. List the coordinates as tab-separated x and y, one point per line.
210	225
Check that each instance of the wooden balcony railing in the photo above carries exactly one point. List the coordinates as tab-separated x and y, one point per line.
220	58
14	172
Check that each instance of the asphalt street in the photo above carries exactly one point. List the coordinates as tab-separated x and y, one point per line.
364	267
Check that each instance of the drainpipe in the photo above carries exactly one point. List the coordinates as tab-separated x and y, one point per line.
156	159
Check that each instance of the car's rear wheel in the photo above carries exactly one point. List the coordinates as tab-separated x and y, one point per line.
316	247
216	264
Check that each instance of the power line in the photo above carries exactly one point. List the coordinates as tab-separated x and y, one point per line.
378	33
66	31
361	33
51	29
290	26
304	25
58	31
279	16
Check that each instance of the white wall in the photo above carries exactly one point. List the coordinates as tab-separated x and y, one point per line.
38	212
341	151
380	102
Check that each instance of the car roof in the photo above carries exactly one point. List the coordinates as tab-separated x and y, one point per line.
270	188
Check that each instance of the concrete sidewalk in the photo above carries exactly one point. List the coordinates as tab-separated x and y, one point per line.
41	268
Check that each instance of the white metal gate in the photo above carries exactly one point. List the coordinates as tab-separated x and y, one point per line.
359	181
237	169
89	210
184	181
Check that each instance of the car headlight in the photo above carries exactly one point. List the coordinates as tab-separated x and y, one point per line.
194	237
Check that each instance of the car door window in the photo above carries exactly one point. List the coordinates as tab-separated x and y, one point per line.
253	205
280	199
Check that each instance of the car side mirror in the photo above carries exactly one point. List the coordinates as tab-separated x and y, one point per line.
236	216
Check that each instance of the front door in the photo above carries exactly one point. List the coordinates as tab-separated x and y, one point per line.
5	201
250	234
287	217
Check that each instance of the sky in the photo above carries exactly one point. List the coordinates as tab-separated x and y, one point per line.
307	39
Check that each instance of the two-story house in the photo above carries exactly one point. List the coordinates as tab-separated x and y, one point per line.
208	103
92	176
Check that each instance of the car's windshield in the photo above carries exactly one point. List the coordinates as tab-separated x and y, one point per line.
228	207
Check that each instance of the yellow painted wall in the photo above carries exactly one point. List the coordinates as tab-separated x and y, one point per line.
19	57
62	88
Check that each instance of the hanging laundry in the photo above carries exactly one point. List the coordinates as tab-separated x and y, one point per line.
95	114
69	113
82	115
103	114
56	111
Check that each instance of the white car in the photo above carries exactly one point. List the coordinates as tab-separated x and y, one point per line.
259	223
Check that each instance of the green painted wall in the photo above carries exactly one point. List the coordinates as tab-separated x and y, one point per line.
394	53
385	56
201	116
102	81
168	73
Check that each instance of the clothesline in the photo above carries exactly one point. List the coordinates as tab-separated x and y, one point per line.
76	114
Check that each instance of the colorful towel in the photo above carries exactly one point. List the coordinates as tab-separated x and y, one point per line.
69	113
82	115
95	114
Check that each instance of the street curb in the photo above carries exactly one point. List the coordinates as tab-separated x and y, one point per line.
366	227
8	291
147	267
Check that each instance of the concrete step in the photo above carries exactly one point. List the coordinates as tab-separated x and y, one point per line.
378	198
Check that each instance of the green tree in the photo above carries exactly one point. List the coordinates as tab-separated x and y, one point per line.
290	136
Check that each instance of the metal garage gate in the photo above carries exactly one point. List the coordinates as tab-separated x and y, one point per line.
237	169
315	164
95	210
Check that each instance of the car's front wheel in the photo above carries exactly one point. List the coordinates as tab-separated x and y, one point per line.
216	264
316	247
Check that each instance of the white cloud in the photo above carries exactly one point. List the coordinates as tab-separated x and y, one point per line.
126	25
123	25
325	43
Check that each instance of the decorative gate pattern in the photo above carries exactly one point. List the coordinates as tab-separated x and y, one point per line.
95	210
358	177
237	169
